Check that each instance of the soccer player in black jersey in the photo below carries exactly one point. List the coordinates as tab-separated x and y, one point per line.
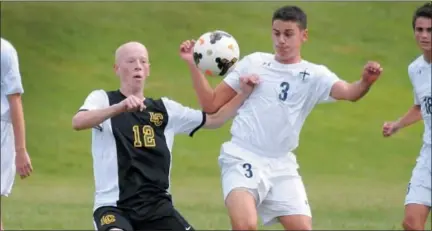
132	139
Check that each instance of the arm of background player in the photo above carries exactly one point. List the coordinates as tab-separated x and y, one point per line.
210	99
11	77
17	117
226	112
412	116
95	111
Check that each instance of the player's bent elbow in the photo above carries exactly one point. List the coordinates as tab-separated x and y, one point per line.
213	122
78	123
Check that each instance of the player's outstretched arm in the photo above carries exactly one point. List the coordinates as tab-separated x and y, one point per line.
355	91
411	117
93	113
211	100
229	110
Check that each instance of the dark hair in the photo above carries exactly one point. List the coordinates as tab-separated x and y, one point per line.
291	13
423	11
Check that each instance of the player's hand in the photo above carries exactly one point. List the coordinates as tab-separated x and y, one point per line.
371	72
390	128
132	104
248	83
23	163
186	51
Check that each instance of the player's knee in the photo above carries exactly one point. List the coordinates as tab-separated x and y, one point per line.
244	224
296	222
410	223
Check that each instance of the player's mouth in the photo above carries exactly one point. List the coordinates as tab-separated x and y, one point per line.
137	77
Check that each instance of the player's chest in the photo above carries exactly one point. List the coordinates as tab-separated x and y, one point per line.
283	87
140	127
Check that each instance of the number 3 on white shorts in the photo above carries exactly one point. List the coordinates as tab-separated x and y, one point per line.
248	170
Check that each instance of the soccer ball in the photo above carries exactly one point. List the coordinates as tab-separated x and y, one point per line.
216	53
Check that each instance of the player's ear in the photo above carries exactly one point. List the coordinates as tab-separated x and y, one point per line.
305	35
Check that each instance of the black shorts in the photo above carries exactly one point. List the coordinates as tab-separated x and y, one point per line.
108	217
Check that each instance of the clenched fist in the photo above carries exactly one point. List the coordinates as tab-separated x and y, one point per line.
186	51
371	72
390	128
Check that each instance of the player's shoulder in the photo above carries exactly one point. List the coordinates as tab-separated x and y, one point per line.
7	48
418	61
315	69
6	45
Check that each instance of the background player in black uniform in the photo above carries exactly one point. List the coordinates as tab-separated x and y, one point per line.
132	139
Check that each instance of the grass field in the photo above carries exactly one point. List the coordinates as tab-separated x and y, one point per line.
355	178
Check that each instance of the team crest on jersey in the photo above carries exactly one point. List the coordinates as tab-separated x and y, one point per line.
304	74
107	219
156	118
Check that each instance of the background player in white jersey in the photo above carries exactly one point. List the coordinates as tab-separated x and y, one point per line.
418	198
14	156
132	139
259	170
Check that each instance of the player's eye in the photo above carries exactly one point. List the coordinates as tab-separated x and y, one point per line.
429	30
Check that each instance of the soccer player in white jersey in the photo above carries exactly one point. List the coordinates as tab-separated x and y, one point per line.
14	156
132	139
258	166
418	198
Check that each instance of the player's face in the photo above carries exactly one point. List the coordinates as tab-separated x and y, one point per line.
133	65
423	32
287	40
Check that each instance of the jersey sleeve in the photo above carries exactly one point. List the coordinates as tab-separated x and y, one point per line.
182	119
10	73
97	99
326	80
233	78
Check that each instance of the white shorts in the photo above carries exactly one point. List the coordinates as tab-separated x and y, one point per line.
7	158
419	187
274	182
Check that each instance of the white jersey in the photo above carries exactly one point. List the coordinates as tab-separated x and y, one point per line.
10	77
270	120
420	75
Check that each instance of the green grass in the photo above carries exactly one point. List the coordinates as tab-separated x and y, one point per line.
355	178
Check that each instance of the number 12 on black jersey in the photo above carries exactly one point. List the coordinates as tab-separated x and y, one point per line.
146	135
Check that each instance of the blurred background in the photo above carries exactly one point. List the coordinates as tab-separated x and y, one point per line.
355	179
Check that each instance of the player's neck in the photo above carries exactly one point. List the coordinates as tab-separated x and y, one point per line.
135	92
427	56
293	60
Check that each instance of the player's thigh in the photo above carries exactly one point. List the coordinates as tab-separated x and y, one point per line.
7	159
416	216
418	198
111	218
175	221
287	203
237	173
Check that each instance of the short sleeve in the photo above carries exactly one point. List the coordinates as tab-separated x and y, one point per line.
97	99
325	81
233	78
183	119
10	73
